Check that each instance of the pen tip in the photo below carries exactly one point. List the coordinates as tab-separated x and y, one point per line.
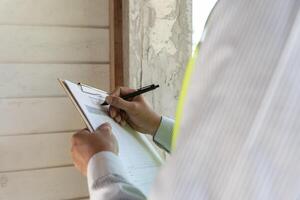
104	104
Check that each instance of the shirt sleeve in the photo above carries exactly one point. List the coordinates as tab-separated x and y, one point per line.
163	135
107	179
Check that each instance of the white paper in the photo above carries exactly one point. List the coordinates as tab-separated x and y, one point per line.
140	160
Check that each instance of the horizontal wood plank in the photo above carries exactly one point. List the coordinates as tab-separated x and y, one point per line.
55	12
36	115
26	44
42	40
35	151
28	80
54	183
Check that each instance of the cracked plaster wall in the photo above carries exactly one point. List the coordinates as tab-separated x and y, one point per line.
159	39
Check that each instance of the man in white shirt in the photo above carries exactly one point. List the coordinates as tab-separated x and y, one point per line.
239	133
96	155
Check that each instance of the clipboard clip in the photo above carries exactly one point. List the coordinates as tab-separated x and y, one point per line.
91	90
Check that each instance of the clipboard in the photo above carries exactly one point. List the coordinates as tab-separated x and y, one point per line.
140	158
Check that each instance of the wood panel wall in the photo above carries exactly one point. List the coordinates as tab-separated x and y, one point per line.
42	40
116	42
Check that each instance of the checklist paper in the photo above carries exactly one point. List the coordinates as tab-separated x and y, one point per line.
140	159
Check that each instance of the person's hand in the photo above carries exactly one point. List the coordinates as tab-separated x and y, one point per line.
136	112
86	144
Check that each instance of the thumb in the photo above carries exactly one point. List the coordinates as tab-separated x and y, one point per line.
104	127
119	103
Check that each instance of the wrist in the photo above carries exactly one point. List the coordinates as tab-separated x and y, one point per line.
155	125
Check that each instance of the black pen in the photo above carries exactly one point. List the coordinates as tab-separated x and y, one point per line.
136	93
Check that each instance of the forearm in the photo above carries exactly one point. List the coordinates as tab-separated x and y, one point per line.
163	135
107	179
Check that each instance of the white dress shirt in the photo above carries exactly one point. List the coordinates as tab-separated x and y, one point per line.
240	131
106	178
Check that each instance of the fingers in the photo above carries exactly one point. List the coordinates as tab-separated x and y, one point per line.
124	118
123	122
113	111
78	140
120	103
118	118
118	115
80	136
121	118
104	128
105	132
114	98
121	91
77	158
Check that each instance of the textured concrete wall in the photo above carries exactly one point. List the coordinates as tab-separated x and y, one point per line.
159	36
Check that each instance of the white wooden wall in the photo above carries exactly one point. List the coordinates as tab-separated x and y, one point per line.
41	40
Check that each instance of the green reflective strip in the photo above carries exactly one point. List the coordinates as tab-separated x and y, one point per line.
183	94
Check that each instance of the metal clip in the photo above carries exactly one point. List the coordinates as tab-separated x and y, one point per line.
91	90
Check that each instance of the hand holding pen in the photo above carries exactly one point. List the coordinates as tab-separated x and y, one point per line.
136	112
